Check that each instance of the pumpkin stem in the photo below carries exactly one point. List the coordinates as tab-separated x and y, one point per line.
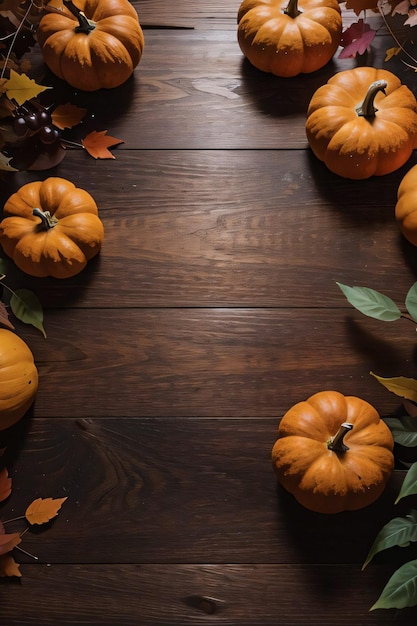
367	108
48	220
292	9
84	24
335	443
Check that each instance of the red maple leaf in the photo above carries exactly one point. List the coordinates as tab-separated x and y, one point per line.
356	39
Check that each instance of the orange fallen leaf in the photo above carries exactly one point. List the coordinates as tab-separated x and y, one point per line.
4	319
96	144
5	484
8	566
67	115
42	510
8	541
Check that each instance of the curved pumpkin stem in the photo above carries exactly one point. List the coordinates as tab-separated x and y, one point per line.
336	443
84	24
292	9
367	108
48	220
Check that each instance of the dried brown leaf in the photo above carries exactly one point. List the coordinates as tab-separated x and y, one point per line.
8	566
5	484
42	510
4	317
96	144
8	541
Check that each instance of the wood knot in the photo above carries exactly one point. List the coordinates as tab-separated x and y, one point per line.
206	604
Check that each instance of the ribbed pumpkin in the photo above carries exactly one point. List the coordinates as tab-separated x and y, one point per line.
406	207
18	378
289	37
333	453
91	44
51	228
362	122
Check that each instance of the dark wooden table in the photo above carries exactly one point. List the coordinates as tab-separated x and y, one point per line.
212	308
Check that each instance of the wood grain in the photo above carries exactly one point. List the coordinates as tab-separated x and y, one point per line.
211	309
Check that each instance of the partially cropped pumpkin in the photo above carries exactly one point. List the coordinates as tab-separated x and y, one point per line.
289	37
51	228
406	207
91	44
362	122
333	453
18	378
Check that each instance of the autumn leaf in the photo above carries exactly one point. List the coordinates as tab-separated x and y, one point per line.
42	510
8	541
96	144
361	5
5	484
391	52
4	317
67	115
400	385
356	39
8	566
22	88
5	164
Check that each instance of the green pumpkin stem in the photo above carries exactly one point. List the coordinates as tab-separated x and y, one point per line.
48	220
292	9
336	443
367	108
84	24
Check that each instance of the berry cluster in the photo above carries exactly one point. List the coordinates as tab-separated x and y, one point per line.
30	119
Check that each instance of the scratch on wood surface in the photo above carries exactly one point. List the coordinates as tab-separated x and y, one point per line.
206	604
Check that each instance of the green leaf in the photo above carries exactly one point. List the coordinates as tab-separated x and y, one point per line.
401	589
409	486
371	303
27	308
411	302
400	531
403	430
400	385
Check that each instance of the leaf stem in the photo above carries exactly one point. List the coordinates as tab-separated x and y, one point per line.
32	556
18	29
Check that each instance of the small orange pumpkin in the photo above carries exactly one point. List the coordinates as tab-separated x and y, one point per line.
91	44
18	378
362	122
333	453
289	37
51	228
406	207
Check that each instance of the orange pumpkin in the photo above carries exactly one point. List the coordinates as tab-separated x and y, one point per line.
92	44
362	122
18	378
51	228
289	37
406	207
333	453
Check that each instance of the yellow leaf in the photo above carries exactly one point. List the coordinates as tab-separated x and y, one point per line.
391	52
400	385
42	510
22	88
8	566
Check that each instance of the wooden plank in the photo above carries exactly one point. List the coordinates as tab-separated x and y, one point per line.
208	96
174	491
230	228
230	595
211	363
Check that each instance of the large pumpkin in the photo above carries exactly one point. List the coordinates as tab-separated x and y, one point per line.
18	378
91	44
333	453
362	122
406	207
51	228
289	37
